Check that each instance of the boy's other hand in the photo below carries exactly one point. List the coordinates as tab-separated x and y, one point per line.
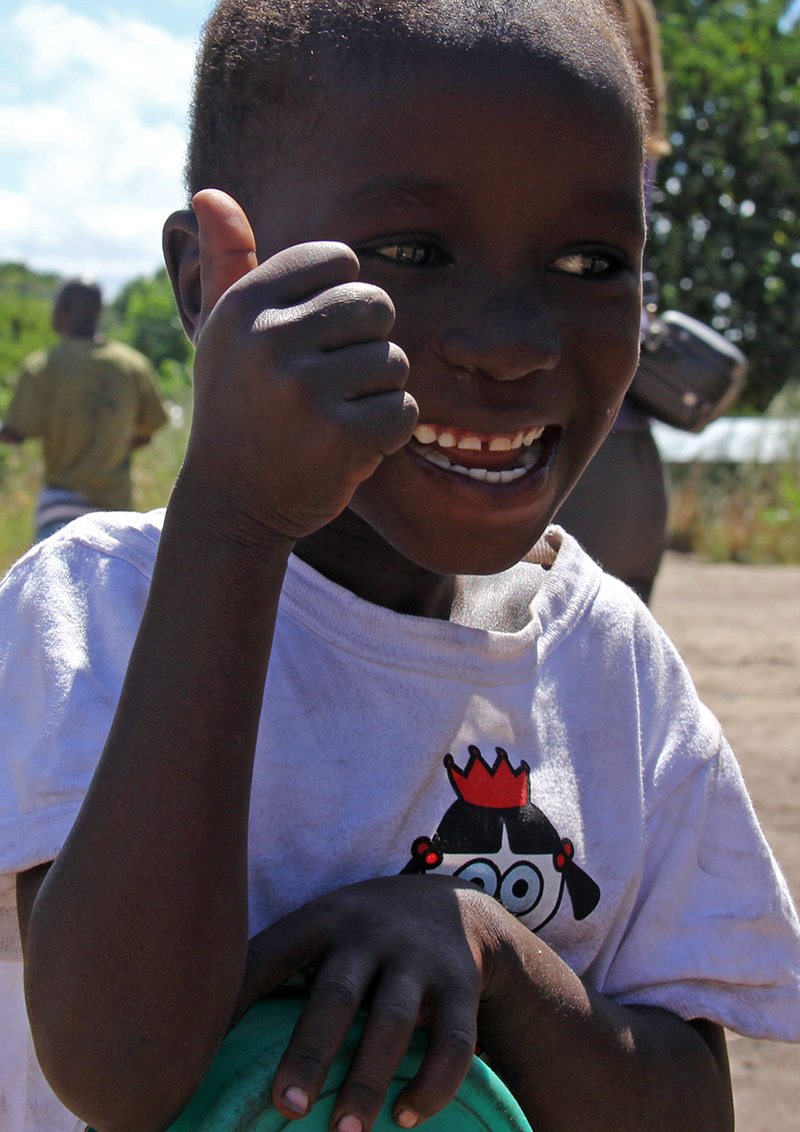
411	951
298	392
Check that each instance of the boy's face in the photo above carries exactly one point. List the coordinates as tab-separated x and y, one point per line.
499	205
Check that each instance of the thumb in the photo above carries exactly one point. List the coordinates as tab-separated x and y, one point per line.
280	951
227	245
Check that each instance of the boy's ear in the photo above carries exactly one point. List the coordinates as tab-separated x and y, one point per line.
181	245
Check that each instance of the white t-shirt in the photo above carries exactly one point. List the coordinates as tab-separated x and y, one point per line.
557	756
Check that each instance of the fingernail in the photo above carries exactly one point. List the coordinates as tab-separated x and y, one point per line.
349	1124
296	1099
405	1118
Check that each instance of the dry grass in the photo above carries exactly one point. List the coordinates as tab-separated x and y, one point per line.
743	513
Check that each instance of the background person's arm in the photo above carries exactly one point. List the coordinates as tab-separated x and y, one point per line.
10	435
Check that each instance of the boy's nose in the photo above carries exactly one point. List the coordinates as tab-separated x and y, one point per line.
510	337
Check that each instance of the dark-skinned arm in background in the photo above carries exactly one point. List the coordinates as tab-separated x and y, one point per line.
136	949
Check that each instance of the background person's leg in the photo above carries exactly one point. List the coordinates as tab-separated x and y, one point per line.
56	507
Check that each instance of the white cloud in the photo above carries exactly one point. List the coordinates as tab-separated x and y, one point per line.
92	139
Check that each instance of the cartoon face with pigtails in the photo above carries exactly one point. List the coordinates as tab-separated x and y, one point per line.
494	837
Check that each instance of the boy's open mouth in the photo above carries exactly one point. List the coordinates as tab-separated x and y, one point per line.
490	458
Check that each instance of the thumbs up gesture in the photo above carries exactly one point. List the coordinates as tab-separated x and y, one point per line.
299	394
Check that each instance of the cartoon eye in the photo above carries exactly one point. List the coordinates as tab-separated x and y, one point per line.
521	888
483	874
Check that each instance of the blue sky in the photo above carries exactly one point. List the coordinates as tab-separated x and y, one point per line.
93	100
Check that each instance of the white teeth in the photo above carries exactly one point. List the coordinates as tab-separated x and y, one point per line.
425	434
481	474
433	440
429	435
437	458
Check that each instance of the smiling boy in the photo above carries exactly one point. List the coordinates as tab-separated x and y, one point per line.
412	273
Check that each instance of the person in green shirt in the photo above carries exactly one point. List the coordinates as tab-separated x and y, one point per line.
91	402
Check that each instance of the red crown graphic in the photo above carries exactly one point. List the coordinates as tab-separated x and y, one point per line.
495	788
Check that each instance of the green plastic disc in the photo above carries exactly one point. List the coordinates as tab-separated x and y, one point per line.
234	1096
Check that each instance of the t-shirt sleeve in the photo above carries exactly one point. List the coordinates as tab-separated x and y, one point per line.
68	618
151	415
713	933
25	413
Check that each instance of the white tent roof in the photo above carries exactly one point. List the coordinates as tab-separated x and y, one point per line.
731	440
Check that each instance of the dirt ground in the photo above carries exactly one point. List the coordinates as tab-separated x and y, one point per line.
738	629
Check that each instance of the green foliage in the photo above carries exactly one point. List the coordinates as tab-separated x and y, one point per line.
144	316
26	302
726	231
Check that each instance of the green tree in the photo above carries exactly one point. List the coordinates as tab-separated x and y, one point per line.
725	238
144	316
26	302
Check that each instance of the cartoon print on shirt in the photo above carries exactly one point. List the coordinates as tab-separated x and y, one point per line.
496	838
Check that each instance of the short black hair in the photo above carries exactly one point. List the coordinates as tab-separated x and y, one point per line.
77	307
260	61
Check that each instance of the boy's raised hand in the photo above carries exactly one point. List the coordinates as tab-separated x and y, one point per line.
298	392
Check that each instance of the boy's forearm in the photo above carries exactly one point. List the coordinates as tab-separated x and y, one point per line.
575	1059
134	970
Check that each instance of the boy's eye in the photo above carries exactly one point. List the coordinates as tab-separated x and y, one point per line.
417	253
586	264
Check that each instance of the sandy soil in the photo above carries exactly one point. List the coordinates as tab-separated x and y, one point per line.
738	629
